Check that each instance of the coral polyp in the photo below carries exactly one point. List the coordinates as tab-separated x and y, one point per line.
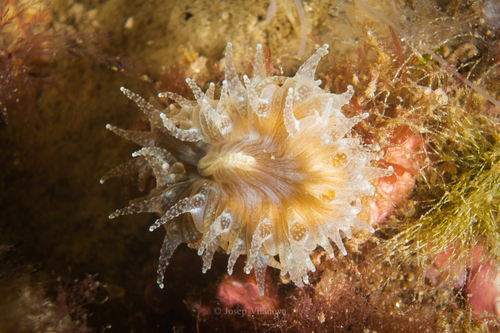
269	170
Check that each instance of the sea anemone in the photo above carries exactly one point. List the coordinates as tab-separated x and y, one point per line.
269	170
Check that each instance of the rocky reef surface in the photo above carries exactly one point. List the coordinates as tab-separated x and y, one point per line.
425	75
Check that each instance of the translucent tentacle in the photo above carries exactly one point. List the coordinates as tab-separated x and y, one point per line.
186	205
198	94
308	69
170	243
238	248
142	138
259	69
291	123
342	127
260	264
218	126
154	204
147	206
220	225
260	106
127	168
189	135
161	162
146	107
183	102
210	93
261	234
234	84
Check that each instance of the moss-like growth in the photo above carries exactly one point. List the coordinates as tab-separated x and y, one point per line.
465	214
453	212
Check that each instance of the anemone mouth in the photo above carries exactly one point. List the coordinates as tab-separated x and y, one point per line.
268	170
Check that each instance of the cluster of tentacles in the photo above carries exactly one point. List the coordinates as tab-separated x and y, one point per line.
268	170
